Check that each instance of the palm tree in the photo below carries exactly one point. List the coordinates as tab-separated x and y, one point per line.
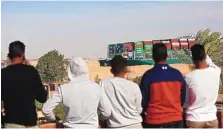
213	44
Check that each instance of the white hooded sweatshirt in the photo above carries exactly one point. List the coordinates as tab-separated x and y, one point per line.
83	99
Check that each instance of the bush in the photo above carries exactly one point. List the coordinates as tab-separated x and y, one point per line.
137	79
38	105
52	67
59	111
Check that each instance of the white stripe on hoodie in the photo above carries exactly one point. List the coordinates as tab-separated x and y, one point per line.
82	99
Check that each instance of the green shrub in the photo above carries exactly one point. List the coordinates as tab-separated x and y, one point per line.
58	111
137	79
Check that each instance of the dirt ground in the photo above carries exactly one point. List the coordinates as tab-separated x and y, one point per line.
104	72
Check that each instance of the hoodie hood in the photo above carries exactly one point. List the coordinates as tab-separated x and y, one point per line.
78	70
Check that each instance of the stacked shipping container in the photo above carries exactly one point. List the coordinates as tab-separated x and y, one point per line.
156	41
119	49
168	45
128	50
139	50
148	45
175	44
111	50
184	44
143	50
191	42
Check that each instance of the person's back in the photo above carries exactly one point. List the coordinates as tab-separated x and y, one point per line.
124	96
203	85
163	92
21	85
82	99
203	93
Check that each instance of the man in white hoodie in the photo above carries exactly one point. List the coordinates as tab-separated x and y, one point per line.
124	95
83	99
202	91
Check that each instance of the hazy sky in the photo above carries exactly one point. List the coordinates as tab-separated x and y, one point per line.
86	28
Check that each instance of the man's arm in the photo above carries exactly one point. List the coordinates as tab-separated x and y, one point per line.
211	64
104	108
186	103
144	87
39	90
183	89
51	104
138	100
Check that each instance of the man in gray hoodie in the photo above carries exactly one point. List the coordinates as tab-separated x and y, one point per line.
124	95
83	99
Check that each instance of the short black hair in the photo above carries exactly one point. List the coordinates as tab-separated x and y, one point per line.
198	52
118	64
16	49
159	52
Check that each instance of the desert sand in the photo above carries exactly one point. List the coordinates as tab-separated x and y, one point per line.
104	72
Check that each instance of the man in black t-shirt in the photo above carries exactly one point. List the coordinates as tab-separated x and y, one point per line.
21	85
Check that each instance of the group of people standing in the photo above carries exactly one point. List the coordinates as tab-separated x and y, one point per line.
157	102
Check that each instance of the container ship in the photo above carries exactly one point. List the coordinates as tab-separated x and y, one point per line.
140	52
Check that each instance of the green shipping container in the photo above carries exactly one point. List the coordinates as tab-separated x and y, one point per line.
138	48
149	53
139	51
148	47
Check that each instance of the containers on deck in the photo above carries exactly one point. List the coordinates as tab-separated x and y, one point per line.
156	41
191	42
111	50
143	49
119	48
139	50
169	53
175	44
184	44
128	50
148	46
167	43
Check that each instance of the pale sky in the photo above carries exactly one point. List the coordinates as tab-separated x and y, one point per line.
86	28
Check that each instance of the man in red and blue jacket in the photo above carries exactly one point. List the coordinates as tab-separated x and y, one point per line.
163	93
